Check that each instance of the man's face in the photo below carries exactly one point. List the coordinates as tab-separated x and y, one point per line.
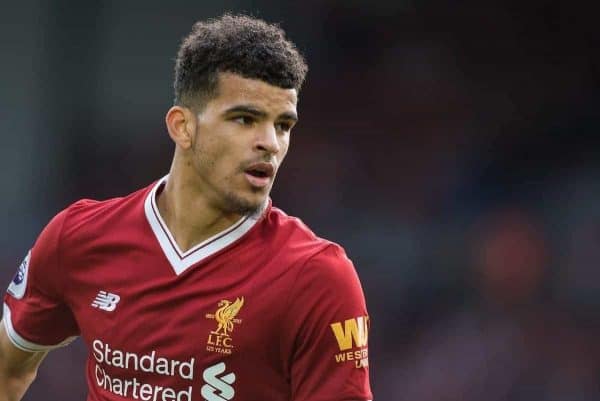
242	136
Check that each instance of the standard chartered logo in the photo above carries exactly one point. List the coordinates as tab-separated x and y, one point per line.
217	387
132	375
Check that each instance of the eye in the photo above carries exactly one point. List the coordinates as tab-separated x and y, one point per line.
283	126
243	120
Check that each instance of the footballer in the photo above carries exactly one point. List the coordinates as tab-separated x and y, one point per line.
197	287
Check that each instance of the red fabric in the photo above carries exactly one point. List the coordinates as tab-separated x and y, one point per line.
42	317
280	344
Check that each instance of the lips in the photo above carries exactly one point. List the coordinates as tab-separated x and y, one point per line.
261	170
259	174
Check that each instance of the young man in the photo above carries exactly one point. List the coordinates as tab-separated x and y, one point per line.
196	287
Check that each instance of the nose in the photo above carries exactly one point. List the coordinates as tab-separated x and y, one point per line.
267	140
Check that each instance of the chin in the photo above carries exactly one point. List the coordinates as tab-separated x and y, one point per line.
244	205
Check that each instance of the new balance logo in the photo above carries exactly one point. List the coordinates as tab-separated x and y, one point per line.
217	388
106	301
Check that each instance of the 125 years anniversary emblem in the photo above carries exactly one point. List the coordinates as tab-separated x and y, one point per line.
219	340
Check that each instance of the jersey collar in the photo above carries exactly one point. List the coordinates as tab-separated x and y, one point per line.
181	261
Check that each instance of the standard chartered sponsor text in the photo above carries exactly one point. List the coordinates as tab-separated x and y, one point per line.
148	363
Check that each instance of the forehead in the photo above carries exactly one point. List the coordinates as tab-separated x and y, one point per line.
234	89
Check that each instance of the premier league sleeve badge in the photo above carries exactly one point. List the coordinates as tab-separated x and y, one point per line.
18	285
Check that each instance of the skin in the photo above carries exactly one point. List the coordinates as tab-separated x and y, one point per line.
17	368
246	122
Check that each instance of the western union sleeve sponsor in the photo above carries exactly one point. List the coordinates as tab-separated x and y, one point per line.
352	334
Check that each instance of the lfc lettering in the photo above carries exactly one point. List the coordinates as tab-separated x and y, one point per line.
219	343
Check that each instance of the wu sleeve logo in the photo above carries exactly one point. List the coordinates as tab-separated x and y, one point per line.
18	285
218	386
106	301
352	339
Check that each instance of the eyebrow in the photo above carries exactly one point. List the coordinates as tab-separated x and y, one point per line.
244	108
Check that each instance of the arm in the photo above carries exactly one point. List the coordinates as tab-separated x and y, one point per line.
327	331
35	316
17	368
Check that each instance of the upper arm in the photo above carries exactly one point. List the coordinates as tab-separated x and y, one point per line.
18	368
36	316
329	326
14	361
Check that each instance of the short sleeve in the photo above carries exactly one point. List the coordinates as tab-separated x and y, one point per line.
329	326
34	314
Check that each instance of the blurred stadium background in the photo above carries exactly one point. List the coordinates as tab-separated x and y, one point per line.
451	147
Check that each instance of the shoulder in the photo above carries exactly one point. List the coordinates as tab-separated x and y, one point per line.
87	216
331	261
318	260
325	289
294	229
332	273
290	235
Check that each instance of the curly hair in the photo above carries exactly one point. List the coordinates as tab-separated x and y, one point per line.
238	44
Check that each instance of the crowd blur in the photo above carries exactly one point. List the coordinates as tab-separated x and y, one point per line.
452	148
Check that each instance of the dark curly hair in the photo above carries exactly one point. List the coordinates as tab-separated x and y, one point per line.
238	44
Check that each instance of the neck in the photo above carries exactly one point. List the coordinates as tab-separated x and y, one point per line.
188	213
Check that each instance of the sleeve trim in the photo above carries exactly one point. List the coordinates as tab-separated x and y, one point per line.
22	343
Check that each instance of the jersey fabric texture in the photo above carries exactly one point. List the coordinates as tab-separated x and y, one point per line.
264	311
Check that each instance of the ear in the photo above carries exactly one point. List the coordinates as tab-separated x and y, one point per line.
181	124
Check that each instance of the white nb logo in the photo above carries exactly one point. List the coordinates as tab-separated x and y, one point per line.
217	388
106	301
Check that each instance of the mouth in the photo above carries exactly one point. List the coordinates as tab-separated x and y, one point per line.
259	175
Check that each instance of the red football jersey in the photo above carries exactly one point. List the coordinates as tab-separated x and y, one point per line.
264	311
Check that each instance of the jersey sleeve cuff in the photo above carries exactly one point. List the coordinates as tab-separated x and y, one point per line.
23	344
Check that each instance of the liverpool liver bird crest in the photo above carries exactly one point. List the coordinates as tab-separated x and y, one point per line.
226	314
